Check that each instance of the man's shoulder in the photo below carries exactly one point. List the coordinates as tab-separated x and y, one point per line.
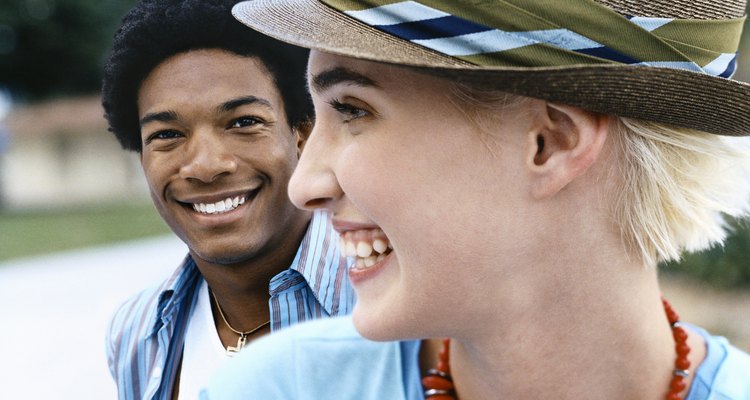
140	309
135	353
130	318
146	301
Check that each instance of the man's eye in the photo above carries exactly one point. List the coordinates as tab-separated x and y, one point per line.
245	121
348	111
164	135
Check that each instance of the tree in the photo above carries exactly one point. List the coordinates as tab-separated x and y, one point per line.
56	47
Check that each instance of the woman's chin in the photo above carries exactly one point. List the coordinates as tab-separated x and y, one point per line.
375	326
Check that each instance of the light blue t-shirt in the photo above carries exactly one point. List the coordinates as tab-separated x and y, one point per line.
328	359
320	361
724	374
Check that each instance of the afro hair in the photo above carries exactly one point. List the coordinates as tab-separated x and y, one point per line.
155	30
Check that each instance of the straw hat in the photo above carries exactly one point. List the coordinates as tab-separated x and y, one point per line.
667	61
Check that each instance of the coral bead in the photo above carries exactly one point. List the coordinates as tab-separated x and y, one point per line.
679	335
677	385
682	363
682	349
437	382
671	313
672	316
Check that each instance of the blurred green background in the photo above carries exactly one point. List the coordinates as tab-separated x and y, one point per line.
51	56
52	48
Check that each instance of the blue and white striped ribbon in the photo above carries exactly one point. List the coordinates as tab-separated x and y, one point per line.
454	36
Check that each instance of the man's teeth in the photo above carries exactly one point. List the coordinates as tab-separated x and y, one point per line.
219	207
366	250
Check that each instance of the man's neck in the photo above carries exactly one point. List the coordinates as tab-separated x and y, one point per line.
241	288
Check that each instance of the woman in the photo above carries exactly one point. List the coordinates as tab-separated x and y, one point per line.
508	174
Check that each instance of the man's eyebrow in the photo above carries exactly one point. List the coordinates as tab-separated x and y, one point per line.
241	101
164	116
338	75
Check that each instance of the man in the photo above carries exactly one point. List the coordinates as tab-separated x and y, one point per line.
219	116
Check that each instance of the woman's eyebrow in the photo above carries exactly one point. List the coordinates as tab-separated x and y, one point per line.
340	75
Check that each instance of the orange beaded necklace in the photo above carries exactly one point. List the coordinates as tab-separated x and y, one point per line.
438	383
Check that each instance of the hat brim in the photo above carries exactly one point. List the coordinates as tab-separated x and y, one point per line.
670	96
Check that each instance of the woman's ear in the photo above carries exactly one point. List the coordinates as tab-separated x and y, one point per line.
302	130
564	143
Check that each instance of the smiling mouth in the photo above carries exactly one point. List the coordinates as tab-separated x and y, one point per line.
222	206
368	247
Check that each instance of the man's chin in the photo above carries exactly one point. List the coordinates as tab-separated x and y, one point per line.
222	257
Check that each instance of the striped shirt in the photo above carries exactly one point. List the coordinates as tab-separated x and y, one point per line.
146	334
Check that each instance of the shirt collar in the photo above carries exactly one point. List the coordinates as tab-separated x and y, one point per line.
168	304
319	255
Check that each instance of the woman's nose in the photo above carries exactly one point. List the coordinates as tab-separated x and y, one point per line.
314	183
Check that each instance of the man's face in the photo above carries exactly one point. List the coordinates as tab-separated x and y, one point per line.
218	154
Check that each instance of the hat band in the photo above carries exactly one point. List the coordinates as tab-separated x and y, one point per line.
523	33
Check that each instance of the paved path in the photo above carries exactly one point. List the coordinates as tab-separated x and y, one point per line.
54	310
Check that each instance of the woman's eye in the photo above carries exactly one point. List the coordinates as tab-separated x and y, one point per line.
245	121
348	111
164	135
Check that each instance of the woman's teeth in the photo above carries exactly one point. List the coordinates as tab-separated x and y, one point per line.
367	247
219	207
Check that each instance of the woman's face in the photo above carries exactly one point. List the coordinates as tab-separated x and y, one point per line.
425	199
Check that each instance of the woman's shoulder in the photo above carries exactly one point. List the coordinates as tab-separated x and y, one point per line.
335	328
724	374
315	334
318	359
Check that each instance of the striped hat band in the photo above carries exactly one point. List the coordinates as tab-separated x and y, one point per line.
665	61
520	33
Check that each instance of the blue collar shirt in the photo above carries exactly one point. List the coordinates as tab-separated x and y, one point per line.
146	334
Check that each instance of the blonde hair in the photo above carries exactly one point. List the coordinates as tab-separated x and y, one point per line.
676	185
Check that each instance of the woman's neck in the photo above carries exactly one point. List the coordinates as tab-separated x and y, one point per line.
597	341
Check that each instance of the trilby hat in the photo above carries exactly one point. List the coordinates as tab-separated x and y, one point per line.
666	61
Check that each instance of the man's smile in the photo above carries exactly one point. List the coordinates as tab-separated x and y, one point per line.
220	203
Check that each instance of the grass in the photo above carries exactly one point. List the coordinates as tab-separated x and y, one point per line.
28	233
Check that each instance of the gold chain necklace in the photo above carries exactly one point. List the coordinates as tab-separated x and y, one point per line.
232	350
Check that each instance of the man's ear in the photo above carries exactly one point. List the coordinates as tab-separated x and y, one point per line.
302	130
564	143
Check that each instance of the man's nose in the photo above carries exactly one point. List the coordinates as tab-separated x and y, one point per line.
208	157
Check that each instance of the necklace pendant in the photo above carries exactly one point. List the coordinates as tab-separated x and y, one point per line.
231	351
